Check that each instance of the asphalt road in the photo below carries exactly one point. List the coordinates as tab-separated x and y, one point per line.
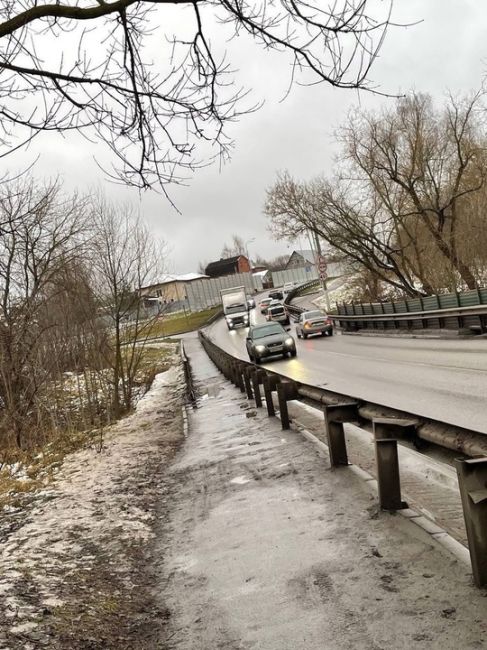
441	379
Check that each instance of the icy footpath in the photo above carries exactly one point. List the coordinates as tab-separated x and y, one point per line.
266	548
73	569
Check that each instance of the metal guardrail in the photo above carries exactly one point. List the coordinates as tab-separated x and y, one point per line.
467	309
388	425
188	375
473	317
294	310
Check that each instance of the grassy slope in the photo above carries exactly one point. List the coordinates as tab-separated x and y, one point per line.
171	325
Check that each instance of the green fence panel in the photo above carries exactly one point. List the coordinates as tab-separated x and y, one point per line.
388	307
368	308
414	304
483	296
448	300
469	298
430	302
401	306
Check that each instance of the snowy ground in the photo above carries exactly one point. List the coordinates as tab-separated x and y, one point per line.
74	563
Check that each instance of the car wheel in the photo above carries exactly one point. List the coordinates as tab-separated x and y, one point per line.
251	358
293	353
324	333
257	360
330	333
305	336
298	334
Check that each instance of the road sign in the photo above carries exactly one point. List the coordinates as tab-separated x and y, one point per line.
322	266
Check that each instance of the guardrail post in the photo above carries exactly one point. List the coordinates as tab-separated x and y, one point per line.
286	390
248	386
472	479
256	379
270	384
240	380
236	374
387	460
335	416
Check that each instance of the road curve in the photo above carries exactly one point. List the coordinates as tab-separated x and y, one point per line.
441	379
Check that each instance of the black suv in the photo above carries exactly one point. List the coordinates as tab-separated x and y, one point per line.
276	294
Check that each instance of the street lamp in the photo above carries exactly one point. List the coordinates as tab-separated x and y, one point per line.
249	241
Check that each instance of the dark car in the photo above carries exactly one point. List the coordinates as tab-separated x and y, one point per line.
267	340
276	294
314	322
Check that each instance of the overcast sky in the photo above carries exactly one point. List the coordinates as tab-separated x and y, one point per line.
447	50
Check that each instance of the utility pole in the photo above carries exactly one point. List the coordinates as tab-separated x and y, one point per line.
322	270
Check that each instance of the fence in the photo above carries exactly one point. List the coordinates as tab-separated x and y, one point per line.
445	311
298	274
205	293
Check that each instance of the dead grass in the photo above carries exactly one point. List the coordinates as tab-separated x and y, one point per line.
179	324
24	472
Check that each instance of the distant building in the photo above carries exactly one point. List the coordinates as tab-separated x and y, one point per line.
301	258
170	288
265	277
229	266
309	258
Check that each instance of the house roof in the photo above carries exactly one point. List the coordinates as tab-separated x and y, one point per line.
260	274
308	255
222	264
168	278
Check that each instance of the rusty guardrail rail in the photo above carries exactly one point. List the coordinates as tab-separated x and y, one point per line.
388	425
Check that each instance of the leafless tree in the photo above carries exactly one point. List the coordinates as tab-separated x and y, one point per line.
124	260
405	204
352	228
274	264
41	233
115	72
236	247
422	164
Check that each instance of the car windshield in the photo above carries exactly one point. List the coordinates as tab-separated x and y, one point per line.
235	309
277	310
314	314
267	330
266	301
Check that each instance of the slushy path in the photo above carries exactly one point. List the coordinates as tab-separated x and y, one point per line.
265	548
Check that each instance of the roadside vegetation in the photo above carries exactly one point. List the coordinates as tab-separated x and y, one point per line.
70	268
404	212
172	325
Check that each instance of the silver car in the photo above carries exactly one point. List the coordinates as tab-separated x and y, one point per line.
268	340
314	322
278	314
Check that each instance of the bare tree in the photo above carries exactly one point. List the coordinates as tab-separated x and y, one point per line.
422	164
406	203
236	247
124	260
353	228
41	232
104	78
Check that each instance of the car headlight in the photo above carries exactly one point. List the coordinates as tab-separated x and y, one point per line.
246	317
229	319
289	342
260	348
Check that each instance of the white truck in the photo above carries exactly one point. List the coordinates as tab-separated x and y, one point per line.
235	309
